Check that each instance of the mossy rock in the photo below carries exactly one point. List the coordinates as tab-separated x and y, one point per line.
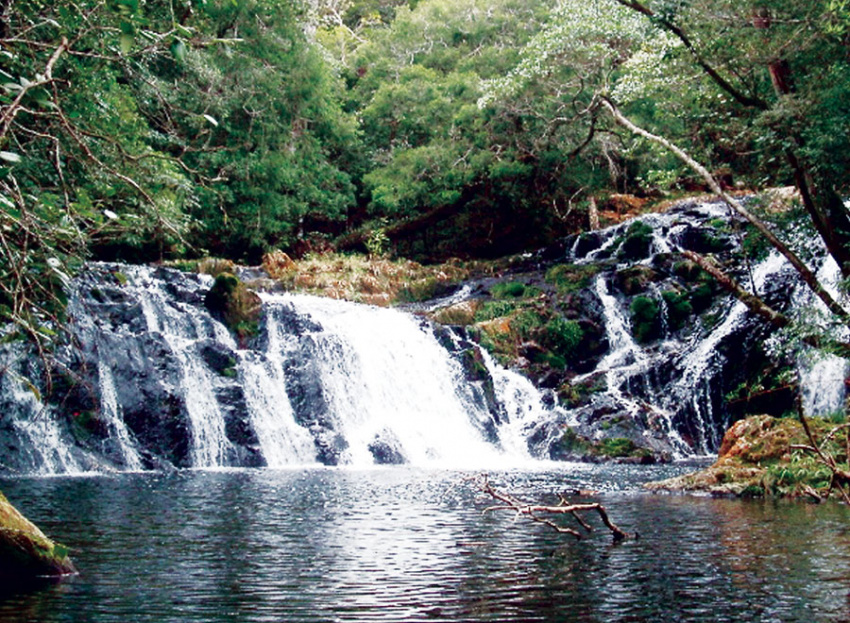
569	278
645	319
25	552
635	279
232	302
679	308
636	244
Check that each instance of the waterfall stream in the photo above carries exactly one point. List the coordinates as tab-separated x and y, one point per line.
154	381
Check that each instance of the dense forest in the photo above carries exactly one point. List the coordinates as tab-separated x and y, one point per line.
156	130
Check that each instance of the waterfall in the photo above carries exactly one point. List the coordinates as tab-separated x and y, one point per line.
822	375
111	410
181	326
162	382
391	387
154	381
38	437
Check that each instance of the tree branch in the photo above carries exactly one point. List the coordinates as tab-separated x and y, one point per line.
808	277
741	98
12	110
533	511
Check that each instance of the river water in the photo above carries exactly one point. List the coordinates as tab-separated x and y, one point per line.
404	544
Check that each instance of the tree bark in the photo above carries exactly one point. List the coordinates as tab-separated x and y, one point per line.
593	213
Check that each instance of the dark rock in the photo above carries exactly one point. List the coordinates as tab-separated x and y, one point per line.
386	449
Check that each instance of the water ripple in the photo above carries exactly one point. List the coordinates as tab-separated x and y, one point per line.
412	545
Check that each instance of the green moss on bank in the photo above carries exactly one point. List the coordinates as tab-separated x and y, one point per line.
25	552
758	458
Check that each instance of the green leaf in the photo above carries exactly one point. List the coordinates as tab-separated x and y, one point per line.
126	42
178	50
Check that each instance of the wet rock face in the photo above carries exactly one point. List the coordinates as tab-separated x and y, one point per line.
386	449
661	348
632	347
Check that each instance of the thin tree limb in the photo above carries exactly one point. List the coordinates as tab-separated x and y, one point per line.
808	277
534	511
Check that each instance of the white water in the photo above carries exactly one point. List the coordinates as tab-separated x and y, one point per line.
822	376
111	411
625	357
180	325
282	441
48	451
386	377
693	380
524	407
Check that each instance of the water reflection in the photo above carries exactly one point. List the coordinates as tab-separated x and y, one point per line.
407	545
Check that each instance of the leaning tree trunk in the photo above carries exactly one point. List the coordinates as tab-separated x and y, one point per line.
823	204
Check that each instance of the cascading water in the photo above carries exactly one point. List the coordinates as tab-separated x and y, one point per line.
155	381
324	382
391	390
822	375
111	411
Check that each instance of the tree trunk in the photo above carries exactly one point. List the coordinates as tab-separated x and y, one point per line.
826	209
593	213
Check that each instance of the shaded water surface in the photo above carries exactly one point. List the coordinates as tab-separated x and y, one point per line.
412	545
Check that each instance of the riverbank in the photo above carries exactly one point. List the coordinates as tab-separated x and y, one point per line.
764	456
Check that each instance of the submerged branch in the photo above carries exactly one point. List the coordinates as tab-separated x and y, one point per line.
538	512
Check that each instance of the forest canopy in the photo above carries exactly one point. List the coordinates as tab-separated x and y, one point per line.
182	128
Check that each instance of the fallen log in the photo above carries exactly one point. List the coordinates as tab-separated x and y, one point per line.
25	552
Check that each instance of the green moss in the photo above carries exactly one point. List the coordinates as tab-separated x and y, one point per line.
645	318
120	277
679	308
573	443
616	447
25	552
494	309
568	278
635	279
526	323
511	289
235	304
563	337
636	243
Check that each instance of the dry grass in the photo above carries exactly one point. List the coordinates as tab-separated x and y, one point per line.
375	281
